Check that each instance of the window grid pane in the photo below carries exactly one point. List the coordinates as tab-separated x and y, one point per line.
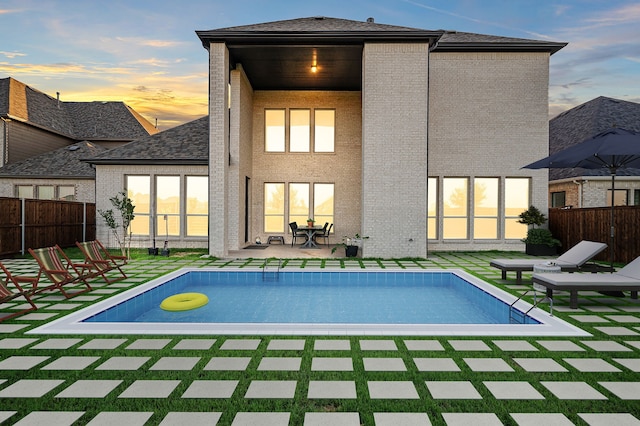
274	134
324	130
432	208
273	207
516	200
323	203
485	208
455	196
139	191
197	206
300	130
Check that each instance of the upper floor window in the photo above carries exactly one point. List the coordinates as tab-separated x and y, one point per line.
299	137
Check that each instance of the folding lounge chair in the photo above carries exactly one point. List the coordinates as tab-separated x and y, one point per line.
570	261
626	279
103	261
7	293
61	271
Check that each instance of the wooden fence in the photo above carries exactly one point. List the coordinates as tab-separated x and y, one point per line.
573	225
26	223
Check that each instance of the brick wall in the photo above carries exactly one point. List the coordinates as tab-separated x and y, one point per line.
110	180
488	116
395	92
342	167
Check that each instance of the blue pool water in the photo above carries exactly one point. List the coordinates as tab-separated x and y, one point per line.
317	297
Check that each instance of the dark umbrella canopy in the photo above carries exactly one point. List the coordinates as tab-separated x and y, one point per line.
612	149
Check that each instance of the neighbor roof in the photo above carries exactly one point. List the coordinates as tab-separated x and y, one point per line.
62	163
185	144
76	120
587	120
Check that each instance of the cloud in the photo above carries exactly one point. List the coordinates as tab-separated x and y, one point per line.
12	55
138	41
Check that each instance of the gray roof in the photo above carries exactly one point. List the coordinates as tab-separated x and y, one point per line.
318	28
76	120
587	120
184	144
62	163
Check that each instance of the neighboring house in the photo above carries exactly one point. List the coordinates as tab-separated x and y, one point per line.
34	124
414	138
56	175
592	188
166	176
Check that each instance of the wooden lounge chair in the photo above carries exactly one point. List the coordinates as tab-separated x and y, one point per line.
571	261
97	255
8	293
61	271
626	279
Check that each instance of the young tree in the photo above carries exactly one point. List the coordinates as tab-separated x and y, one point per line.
123	204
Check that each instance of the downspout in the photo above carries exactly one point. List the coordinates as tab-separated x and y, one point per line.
5	142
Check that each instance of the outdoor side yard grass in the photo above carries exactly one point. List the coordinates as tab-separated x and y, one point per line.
576	379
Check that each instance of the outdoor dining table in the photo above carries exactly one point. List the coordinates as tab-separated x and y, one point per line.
310	231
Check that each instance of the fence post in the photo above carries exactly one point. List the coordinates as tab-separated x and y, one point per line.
23	225
84	221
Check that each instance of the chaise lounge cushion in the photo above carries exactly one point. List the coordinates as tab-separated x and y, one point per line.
627	279
571	260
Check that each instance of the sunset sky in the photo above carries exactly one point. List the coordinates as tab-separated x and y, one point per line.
146	53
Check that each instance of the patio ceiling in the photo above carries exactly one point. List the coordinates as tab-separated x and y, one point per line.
288	67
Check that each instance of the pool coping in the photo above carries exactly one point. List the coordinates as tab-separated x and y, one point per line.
72	323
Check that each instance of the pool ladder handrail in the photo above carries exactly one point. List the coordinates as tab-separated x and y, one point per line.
268	269
522	315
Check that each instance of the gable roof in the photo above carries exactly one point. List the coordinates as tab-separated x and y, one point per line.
278	55
184	144
321	28
62	163
586	120
75	120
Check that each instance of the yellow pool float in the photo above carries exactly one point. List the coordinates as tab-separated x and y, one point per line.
184	301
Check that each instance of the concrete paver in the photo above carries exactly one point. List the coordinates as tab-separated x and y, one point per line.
191	419
129	418
50	418
332	389
89	389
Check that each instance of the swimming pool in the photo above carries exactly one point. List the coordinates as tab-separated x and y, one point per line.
447	302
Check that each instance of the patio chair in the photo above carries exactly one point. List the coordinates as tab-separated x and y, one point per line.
571	261
295	233
61	271
325	234
626	279
8	293
97	255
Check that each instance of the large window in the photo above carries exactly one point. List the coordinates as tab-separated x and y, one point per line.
432	208
274	134
323	203
516	200
298	209
197	208
485	208
324	130
273	207
139	191
299	137
299	130
455	210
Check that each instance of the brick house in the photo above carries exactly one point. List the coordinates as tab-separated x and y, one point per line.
592	188
42	141
415	138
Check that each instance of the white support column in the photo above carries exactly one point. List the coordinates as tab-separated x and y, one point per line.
218	148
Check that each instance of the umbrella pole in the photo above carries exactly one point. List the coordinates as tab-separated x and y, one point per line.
613	225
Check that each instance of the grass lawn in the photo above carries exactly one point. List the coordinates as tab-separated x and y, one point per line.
439	379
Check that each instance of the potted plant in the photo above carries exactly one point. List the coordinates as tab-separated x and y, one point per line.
310	222
350	245
539	241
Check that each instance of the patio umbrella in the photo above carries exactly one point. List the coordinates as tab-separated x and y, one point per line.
612	149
